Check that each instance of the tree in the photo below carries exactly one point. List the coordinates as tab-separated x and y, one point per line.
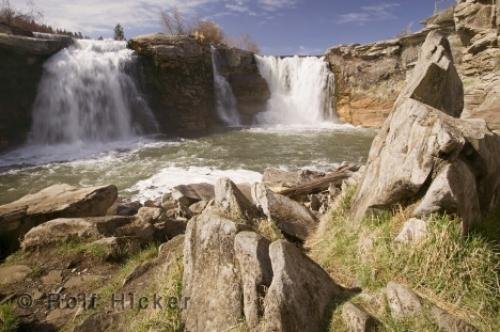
119	34
174	22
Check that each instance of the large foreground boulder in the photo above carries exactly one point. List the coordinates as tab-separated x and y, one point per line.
57	201
423	154
235	279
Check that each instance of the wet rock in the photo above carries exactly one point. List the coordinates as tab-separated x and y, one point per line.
357	319
252	254
291	217
450	323
413	231
300	293
12	274
57	201
403	302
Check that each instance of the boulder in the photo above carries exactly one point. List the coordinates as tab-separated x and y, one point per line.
357	319
277	178
252	254
11	274
150	215
232	203
64	230
193	193
300	293
422	144
291	217
57	201
402	301
211	281
413	231
115	248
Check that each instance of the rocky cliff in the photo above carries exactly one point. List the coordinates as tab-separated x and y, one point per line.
370	77
178	74
22	55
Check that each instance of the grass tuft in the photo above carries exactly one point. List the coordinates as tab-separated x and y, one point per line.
9	321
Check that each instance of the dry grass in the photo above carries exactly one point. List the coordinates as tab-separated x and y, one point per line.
458	273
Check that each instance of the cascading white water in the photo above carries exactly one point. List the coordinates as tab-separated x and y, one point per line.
224	98
301	90
87	95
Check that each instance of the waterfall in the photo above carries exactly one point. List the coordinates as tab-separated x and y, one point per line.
88	94
301	90
227	110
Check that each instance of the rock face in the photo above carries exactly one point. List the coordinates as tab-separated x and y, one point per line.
370	77
21	64
234	278
249	88
424	154
291	217
178	75
57	201
300	292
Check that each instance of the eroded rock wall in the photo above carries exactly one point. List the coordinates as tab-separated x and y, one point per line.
370	77
21	64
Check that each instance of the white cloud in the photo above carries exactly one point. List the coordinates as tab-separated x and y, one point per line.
272	5
379	12
99	16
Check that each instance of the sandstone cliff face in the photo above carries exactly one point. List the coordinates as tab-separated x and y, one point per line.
22	55
178	74
370	77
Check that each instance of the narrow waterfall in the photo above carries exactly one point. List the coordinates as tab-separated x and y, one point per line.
88	94
302	89
227	110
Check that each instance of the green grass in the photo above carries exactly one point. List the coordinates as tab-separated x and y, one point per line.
9	322
458	273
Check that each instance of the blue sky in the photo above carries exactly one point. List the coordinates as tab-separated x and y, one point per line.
278	26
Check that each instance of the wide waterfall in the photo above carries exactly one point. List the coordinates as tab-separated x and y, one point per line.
88	94
301	90
225	101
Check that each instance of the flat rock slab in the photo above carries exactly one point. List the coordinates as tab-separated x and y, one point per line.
12	274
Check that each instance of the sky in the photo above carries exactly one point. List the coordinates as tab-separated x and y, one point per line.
280	27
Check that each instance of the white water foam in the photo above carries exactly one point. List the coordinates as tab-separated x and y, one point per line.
162	182
88	95
300	90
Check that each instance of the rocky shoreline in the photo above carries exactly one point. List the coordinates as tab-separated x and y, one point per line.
240	256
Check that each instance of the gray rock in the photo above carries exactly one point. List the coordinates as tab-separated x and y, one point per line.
64	230
252	254
211	281
57	201
193	192
291	217
453	189
300	293
424	153
150	215
198	207
450	323
277	178
413	231
403	302
357	319
231	202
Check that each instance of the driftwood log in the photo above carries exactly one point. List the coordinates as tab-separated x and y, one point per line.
336	177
